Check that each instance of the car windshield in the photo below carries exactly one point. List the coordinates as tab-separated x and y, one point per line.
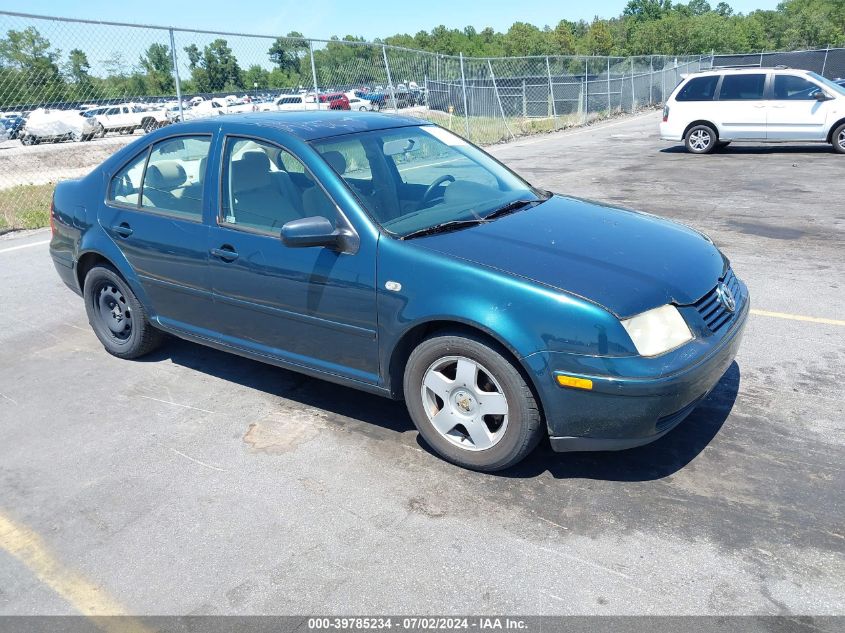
828	83
415	178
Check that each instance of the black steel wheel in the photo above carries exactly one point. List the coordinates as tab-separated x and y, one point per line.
116	316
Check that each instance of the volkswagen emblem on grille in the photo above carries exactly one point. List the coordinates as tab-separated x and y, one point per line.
726	297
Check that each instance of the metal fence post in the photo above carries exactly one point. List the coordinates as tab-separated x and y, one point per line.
389	80
633	90
499	99
176	71
314	73
608	89
651	80
824	63
464	88
524	101
586	89
663	81
551	92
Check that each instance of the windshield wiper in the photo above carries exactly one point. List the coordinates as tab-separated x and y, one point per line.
510	207
443	227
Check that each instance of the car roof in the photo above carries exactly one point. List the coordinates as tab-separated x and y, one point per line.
319	124
747	70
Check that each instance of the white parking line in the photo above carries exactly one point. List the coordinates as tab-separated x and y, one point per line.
30	245
796	317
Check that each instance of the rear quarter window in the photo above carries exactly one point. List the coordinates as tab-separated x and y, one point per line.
698	89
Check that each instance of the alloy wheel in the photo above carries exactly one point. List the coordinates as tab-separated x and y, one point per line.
700	140
465	403
841	139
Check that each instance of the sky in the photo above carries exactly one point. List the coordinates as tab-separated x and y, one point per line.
324	18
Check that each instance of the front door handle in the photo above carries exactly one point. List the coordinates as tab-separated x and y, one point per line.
225	252
123	229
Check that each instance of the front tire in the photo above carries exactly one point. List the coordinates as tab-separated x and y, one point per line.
470	403
838	139
116	316
701	139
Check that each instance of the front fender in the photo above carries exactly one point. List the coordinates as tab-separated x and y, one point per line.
523	316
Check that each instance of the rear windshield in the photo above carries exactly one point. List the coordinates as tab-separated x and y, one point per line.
699	89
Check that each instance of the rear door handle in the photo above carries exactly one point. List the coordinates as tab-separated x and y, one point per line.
226	253
123	229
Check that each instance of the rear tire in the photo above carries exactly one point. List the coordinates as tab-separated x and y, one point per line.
701	139
116	316
450	381
838	138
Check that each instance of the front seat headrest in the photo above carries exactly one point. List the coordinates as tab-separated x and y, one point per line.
165	175
336	161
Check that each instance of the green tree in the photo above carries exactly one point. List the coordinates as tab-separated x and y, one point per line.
32	72
158	65
599	38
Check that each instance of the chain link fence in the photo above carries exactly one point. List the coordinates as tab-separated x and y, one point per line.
73	91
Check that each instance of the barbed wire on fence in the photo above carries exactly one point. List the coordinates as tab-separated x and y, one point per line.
97	83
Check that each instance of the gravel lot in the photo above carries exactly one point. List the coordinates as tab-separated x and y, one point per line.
196	482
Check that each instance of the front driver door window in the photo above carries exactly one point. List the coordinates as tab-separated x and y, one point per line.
310	306
794	113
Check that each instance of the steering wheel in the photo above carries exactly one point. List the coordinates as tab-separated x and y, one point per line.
429	193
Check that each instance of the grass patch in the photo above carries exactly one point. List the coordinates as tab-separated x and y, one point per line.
491	130
25	206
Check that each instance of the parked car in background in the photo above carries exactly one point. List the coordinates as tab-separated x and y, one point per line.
49	125
290	102
339	249
377	99
360	104
335	100
128	117
710	109
12	124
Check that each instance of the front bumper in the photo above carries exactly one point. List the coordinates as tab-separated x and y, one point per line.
633	401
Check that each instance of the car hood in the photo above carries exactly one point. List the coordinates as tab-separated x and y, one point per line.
626	261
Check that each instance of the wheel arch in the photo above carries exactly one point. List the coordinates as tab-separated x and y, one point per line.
415	334
833	129
709	124
91	257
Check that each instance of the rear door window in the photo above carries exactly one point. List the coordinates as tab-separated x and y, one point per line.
745	87
699	89
173	181
125	186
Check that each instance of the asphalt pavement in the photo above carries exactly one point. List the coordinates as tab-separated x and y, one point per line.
196	482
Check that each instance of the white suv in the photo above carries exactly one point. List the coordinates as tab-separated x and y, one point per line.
710	109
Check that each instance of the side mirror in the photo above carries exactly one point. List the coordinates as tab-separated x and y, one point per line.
820	95
318	231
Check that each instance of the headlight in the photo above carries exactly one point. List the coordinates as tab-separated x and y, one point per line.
658	330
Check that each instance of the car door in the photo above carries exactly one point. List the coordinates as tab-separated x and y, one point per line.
741	107
110	118
794	112
313	307
154	213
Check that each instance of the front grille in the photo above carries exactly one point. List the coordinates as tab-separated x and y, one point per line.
712	311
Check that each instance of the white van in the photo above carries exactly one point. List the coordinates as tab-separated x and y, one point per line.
708	110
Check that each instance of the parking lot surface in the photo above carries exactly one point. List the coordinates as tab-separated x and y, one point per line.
195	482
